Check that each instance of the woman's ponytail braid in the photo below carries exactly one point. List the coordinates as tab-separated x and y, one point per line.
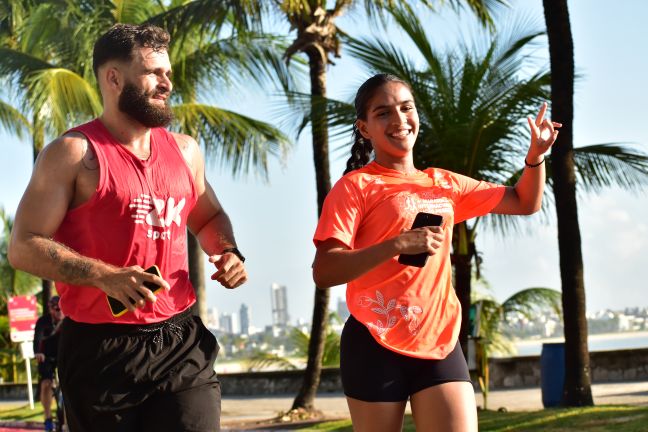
360	152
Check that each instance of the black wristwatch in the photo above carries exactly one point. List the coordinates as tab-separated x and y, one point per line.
236	252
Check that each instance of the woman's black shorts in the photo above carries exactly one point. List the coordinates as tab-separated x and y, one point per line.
373	373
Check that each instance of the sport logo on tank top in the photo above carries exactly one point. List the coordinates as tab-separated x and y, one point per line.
157	213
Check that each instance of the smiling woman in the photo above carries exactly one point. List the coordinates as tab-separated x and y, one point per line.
400	342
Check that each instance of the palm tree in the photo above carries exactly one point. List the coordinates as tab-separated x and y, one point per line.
577	389
301	340
470	104
492	314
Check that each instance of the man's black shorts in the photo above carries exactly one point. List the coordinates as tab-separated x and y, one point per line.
157	377
372	373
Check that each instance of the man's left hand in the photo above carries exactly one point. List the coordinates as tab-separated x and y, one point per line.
230	271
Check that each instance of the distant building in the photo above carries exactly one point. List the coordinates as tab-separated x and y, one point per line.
213	320
279	300
225	322
342	309
244	315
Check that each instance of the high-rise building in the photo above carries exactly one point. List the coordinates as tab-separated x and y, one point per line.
225	322
236	324
342	309
279	299
213	322
244	315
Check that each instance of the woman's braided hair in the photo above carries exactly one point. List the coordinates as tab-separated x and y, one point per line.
361	149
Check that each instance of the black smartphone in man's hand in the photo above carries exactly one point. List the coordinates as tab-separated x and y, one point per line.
421	220
118	309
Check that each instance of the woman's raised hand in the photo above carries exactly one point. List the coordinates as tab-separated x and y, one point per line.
543	132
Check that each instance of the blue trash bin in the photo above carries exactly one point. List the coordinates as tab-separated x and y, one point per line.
552	373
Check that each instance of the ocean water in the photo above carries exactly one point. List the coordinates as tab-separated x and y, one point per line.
598	342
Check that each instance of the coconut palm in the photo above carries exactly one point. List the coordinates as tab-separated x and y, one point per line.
470	104
577	389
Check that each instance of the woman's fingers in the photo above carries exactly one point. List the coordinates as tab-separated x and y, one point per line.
533	127
540	117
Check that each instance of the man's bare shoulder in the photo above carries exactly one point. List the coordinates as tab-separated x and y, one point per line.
185	142
190	151
66	148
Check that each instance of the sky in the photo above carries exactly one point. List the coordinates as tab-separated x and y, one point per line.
274	221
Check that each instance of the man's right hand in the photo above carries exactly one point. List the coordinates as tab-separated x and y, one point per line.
40	357
127	283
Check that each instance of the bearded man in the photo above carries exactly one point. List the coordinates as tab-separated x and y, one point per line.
107	200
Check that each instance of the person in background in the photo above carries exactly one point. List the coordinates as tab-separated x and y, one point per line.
400	341
45	349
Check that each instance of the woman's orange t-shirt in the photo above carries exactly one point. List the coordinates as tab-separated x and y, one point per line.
410	310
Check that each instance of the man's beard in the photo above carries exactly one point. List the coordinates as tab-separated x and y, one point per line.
135	103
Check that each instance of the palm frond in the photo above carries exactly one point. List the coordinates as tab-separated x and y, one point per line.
134	11
263	360
234	139
382	56
208	16
17	65
483	9
531	300
208	65
12	121
297	113
611	164
63	97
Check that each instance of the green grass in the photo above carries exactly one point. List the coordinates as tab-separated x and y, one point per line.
21	412
617	418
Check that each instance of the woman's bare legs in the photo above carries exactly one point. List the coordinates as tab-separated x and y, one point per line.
376	416
448	407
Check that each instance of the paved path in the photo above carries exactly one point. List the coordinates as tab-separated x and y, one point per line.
236	410
240	409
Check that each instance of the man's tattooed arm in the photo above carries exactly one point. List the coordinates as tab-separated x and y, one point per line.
73	268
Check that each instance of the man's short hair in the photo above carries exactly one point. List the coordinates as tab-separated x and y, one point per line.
118	43
54	301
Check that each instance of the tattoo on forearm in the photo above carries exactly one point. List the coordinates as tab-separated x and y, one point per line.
74	270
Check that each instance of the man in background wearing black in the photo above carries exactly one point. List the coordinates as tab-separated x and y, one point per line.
45	348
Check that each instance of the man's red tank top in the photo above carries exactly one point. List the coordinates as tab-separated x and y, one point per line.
137	216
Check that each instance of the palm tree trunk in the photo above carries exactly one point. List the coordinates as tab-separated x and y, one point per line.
306	396
197	275
38	142
577	389
463	269
462	261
